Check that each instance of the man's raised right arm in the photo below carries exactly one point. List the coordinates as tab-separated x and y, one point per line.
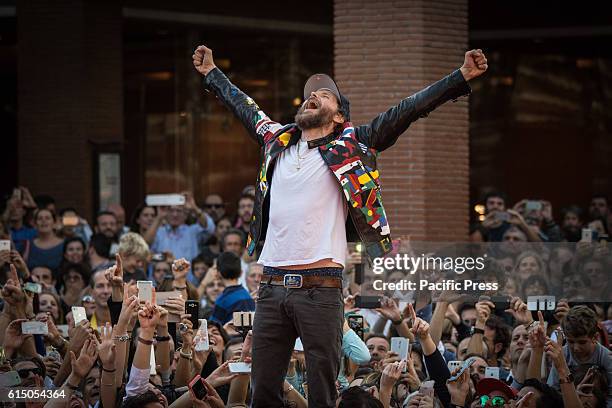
257	123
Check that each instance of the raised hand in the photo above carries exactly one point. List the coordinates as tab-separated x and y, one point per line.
391	374
420	327
203	60
459	389
51	365
180	268
474	64
14	337
483	310
86	360
114	274
79	335
106	348
129	308
12	293
389	309
537	335
518	309
561	310
221	375
149	315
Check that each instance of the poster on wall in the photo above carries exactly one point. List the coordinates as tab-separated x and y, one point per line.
109	179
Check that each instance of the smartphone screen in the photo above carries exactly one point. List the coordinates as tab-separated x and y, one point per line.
145	291
201	337
399	345
355	322
78	314
197	388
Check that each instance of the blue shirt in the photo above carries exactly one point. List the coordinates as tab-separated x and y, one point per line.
50	257
21	235
181	241
233	299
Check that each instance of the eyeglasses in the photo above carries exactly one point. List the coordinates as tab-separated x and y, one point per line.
495	401
214	205
25	372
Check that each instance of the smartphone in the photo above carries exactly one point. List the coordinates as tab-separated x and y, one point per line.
532	205
501	302
355	322
54	354
427	388
158	257
401	346
34	327
197	388
367	302
78	314
240	367
201	337
145	291
243	319
33	287
492	372
543	303
587	235
70	220
157	200
9	379
162	297
502	216
192	308
452	365
5	245
464	366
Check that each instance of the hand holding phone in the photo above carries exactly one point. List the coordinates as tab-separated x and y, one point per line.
198	388
78	314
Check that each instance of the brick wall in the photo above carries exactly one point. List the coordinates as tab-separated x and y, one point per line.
70	94
387	50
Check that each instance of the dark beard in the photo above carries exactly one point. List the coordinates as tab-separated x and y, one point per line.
307	121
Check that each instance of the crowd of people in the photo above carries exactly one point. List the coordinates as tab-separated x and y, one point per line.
461	352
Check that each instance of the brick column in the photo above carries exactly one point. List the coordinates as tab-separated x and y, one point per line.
70	93
387	50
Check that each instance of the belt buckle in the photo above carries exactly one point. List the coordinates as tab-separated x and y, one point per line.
292	281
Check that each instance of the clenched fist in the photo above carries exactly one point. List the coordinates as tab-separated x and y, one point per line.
474	64
203	60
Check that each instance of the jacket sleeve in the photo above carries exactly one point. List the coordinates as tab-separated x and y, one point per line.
384	130
259	126
438	371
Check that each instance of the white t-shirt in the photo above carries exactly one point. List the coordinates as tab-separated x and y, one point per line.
307	211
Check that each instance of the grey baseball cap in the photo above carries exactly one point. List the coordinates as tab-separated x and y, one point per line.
323	81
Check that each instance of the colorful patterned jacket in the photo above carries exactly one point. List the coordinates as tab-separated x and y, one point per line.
350	155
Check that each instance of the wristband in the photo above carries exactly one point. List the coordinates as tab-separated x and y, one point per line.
109	371
143	341
188	356
160	339
123	337
476	330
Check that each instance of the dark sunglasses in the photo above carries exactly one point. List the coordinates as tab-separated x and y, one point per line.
25	372
214	205
495	401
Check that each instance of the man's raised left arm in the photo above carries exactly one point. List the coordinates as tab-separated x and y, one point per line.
384	130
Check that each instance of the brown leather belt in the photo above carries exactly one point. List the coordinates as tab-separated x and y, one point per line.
307	281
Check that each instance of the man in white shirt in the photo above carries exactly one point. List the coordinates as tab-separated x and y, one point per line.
313	174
